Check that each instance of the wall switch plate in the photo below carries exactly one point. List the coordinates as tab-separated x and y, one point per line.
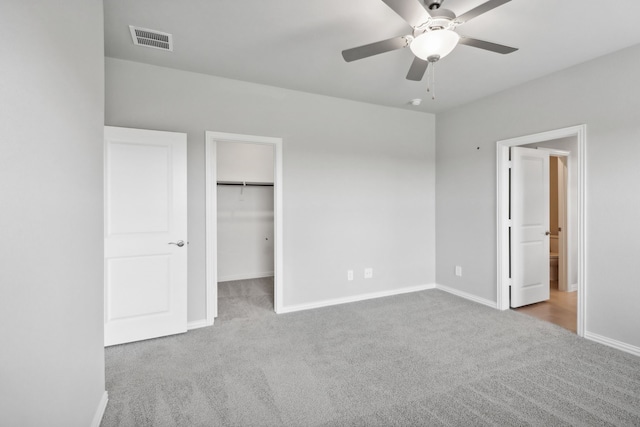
458	270
368	273
349	274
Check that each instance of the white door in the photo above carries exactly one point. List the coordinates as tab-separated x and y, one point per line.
145	234
529	226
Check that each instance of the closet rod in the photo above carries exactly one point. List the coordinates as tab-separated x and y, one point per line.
258	184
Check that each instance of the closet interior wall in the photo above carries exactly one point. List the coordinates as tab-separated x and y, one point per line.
245	211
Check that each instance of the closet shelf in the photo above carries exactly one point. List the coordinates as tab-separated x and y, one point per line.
243	183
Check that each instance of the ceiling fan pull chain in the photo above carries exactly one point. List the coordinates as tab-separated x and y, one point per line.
433	80
428	80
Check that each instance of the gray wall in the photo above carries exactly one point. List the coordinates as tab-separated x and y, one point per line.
245	214
51	301
240	162
358	178
605	95
245	232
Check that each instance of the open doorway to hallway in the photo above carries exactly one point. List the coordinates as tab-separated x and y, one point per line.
529	267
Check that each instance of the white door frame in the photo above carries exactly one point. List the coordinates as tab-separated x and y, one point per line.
211	140
503	222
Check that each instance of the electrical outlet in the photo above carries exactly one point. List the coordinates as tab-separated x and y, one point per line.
458	270
368	273
349	274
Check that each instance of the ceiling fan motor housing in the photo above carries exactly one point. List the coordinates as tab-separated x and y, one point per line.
440	20
433	4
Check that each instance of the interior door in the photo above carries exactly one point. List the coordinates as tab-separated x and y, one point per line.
529	226
145	234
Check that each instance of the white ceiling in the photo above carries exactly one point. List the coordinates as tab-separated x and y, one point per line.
297	44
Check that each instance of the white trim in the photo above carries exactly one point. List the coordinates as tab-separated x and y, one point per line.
102	407
211	139
198	324
355	298
279	227
502	239
502	209
211	232
619	345
582	229
572	287
467	296
247	276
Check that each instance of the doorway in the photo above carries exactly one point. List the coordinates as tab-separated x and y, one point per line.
228	193
575	247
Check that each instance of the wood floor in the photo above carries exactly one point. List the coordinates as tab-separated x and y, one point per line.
561	309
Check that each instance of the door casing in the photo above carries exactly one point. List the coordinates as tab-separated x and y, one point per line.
211	139
503	222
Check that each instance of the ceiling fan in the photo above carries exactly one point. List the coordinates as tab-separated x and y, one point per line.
433	36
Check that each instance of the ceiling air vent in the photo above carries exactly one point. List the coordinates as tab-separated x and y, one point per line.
151	38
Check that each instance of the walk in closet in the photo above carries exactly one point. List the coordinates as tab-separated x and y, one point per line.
245	228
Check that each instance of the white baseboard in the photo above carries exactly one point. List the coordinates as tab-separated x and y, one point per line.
468	296
198	324
245	276
355	298
628	348
102	406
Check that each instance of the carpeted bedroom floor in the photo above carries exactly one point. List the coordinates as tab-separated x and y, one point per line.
419	359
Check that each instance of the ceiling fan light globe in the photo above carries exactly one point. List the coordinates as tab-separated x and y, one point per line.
435	43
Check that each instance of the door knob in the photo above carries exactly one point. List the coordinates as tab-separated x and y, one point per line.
546	233
179	244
